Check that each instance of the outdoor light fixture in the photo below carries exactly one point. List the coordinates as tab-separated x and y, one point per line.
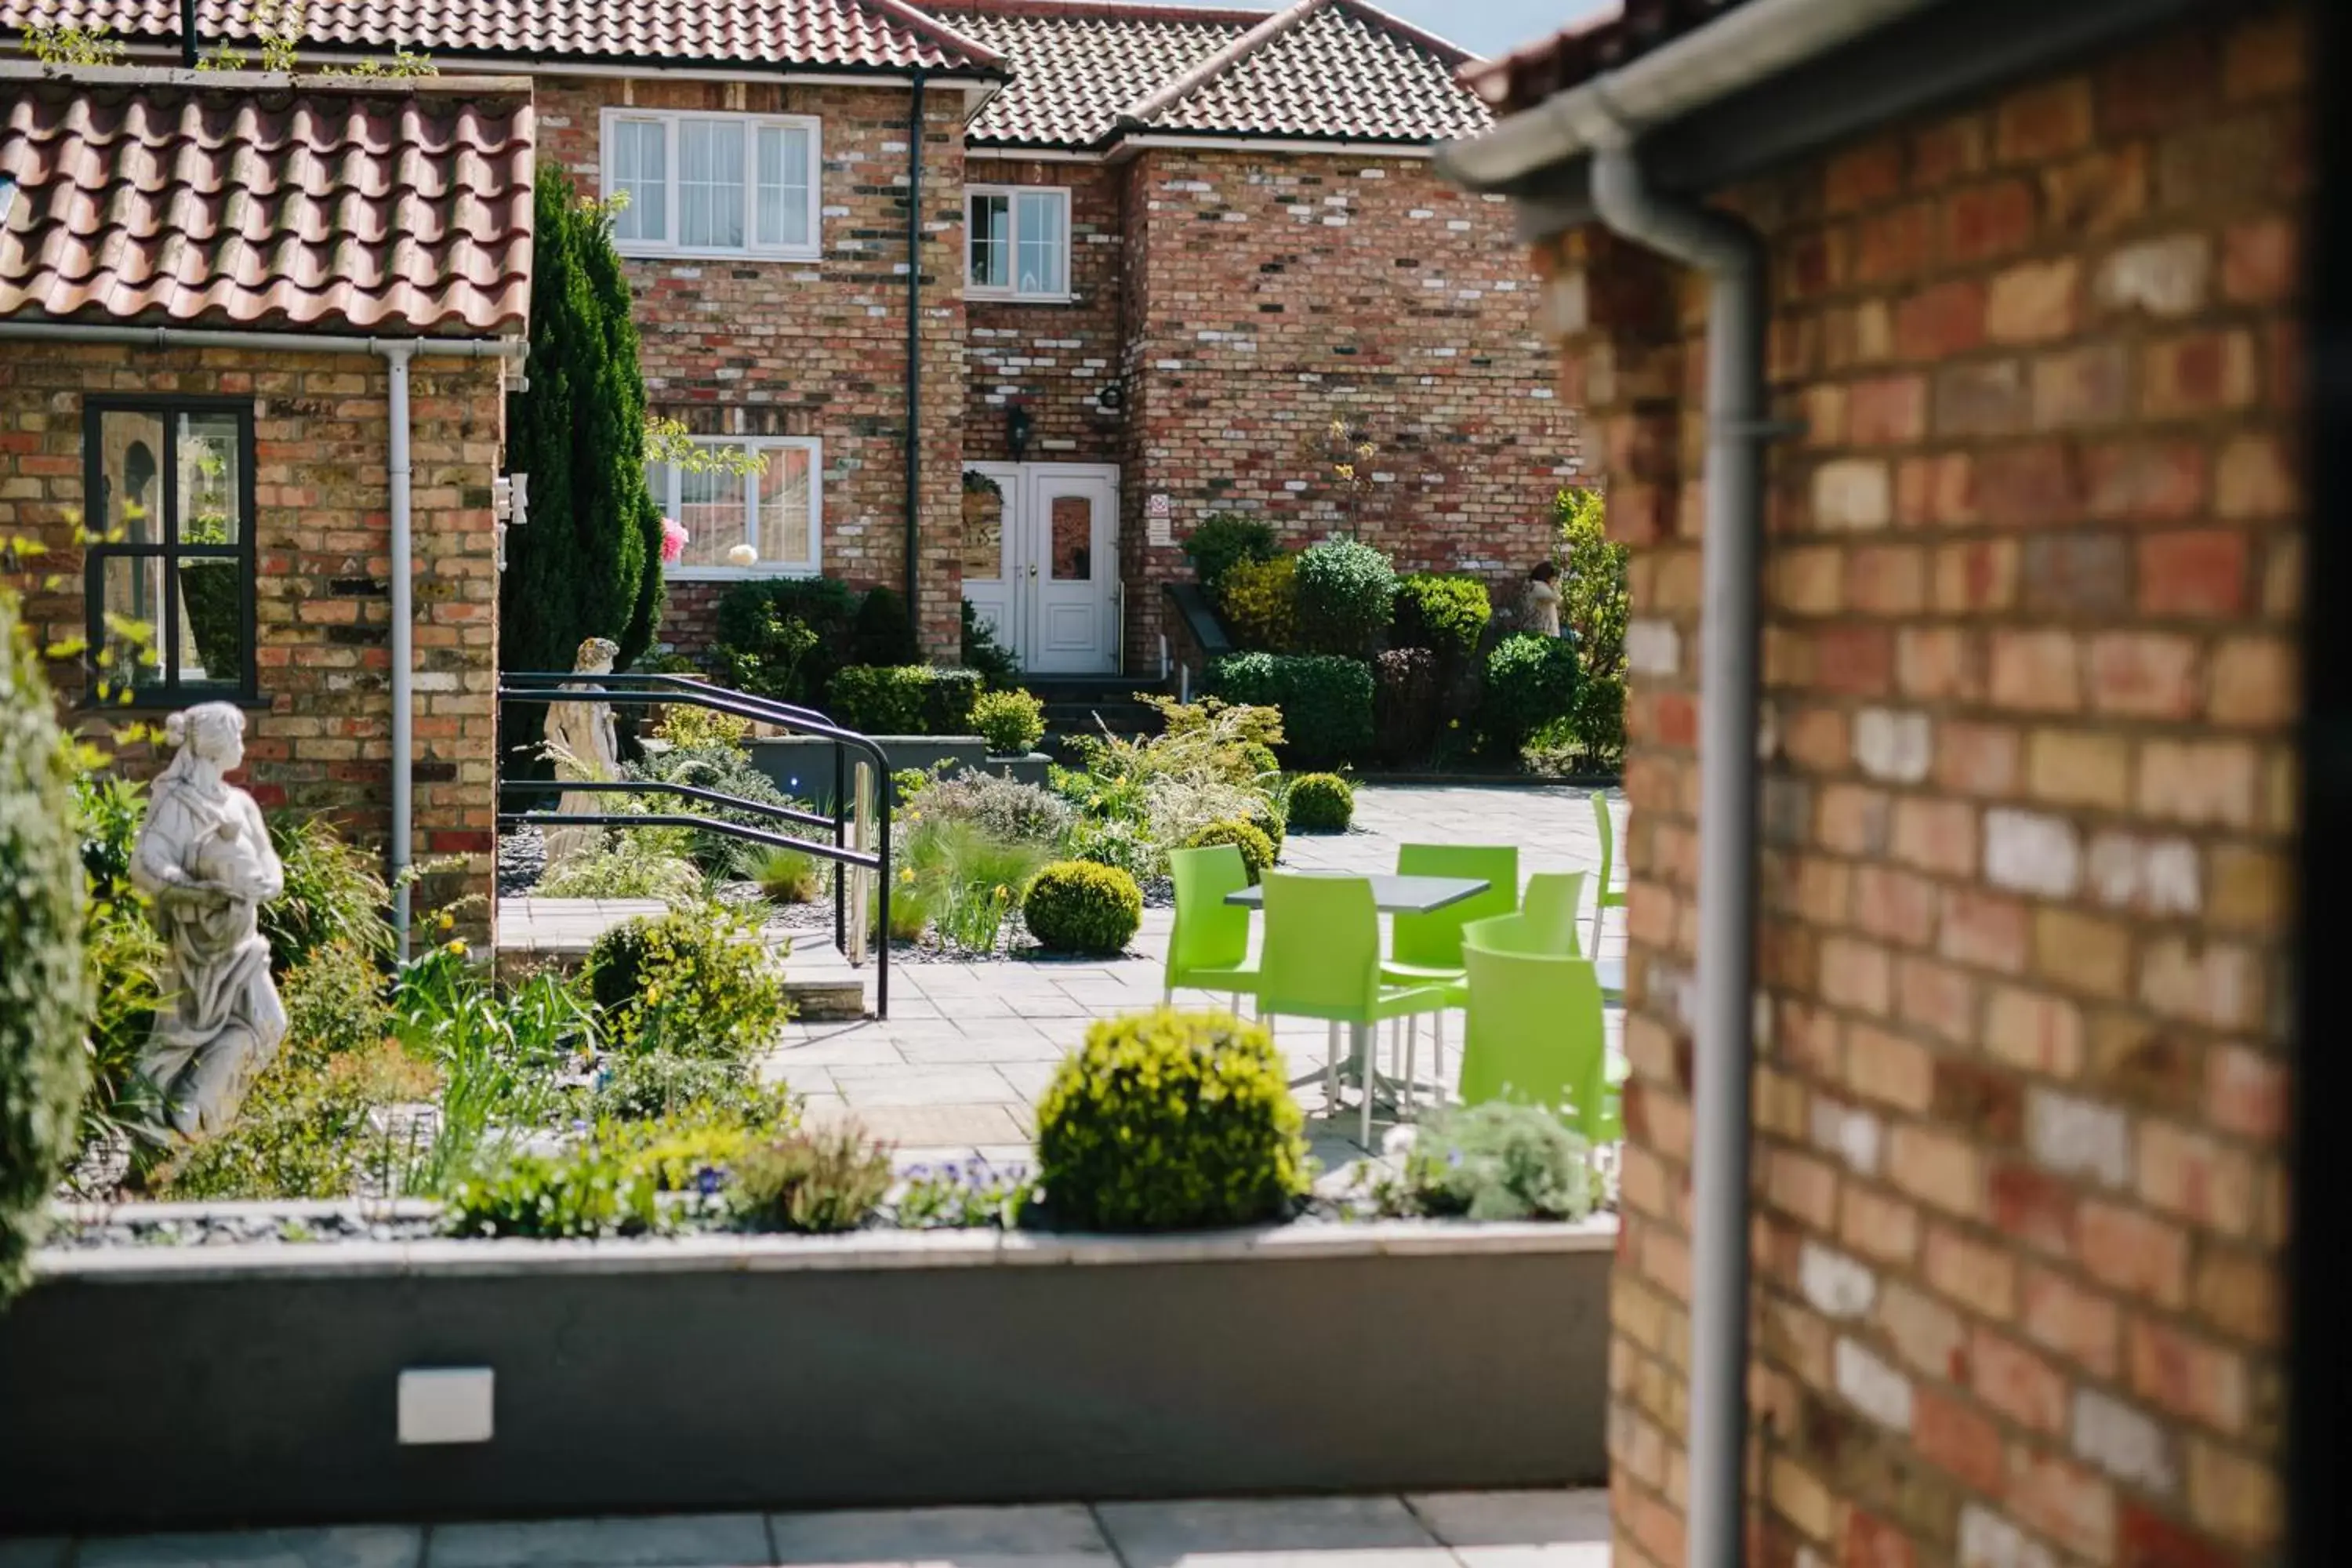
1016	431
1110	400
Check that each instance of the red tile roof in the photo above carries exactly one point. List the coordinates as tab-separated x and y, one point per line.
225	200
1626	31
842	34
1323	70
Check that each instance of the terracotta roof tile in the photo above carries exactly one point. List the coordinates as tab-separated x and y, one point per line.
241	201
1626	31
888	34
1323	69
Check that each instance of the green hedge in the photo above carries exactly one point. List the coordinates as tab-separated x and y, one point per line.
1224	541
786	636
906	700
1531	682
1446	614
1346	597
1325	700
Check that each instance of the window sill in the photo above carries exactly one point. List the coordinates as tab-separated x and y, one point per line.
998	297
758	573
773	257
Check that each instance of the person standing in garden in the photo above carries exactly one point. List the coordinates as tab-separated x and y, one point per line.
1544	599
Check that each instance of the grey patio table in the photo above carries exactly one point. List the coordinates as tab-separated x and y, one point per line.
1391	895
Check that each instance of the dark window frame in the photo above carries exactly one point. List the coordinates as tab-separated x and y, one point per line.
163	687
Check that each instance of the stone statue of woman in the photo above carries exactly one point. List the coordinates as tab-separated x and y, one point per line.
204	857
582	742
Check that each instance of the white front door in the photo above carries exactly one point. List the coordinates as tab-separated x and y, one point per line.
1050	531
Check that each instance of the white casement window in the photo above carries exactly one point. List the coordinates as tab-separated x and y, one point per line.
713	185
1020	242
777	509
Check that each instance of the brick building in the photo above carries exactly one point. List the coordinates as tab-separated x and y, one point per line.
1160	247
209	388
2008	1180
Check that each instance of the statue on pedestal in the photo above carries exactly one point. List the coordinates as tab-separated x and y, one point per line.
582	742
204	858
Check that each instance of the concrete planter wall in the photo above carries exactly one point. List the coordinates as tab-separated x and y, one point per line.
801	765
149	1387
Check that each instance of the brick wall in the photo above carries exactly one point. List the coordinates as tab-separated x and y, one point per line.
749	347
322	743
1269	294
2031	582
1053	360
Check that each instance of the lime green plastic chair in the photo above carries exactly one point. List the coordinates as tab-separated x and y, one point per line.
1605	898
1209	948
1426	950
1322	960
1553	906
1533	1036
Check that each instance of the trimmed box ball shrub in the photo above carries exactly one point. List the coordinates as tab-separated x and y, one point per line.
1531	682
1224	541
1259	600
1011	722
690	984
1444	614
1265	815
1405	711
1079	906
1346	597
1257	850
1325	700
904	700
44	999
1171	1121
1321	803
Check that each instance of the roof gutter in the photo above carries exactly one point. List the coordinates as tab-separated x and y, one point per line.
1749	44
396	352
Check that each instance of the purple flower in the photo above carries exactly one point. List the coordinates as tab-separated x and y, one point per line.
706	1181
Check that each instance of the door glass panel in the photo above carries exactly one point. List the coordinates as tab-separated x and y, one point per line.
211	622
784	507
983	528
131	479
1073	520
210	486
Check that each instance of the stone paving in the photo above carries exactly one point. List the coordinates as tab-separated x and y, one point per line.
969	1047
1446	1530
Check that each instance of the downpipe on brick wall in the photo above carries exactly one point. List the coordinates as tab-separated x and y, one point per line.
1732	258
396	353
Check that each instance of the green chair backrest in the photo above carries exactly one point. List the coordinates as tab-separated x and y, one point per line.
1435	939
1322	954
1550	907
1210	932
1502	933
1534	1035
1606	826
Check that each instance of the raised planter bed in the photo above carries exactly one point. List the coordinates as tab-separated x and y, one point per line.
801	765
154	1386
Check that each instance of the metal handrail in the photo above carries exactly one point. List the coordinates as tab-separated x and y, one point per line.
547	688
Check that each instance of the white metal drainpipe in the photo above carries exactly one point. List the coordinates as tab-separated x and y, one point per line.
396	353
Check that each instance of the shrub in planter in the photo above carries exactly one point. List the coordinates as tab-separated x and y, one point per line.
1446	614
785	636
1405	707
1011	722
1346	597
1257	850
786	876
695	984
1224	541
1531	682
1321	803
45	1001
1079	906
1259	600
1171	1121
881	633
997	667
829	1179
1002	807
904	700
1498	1162
1255	764
1271	816
1598	722
583	1193
1325	700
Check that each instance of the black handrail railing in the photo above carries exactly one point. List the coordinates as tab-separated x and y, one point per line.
547	688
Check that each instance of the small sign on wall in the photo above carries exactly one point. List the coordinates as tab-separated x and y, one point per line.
1160	520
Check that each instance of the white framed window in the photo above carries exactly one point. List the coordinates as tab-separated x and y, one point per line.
1018	242
714	184
778	508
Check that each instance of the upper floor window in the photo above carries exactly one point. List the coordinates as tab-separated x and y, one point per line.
1020	239
713	185
776	509
168	584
